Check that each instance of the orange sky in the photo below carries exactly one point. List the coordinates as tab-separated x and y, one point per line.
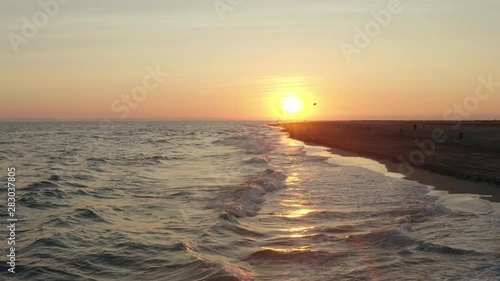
92	54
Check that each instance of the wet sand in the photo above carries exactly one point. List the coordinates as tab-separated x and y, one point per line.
432	154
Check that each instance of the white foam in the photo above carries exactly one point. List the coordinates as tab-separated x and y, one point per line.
467	203
336	159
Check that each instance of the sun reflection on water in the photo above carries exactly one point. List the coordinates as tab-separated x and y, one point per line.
294	203
293	179
297	213
281	250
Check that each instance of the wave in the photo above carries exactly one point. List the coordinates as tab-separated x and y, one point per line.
257	160
141	159
338	229
251	144
86	215
48	242
72	184
55	178
486	271
239	229
441	249
415	214
315	159
47	272
54	193
181	194
247	200
41	185
42	195
159	141
57	222
43	200
97	160
84	177
386	237
294	151
96	164
206	270
307	256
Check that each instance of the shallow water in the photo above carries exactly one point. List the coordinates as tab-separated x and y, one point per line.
229	201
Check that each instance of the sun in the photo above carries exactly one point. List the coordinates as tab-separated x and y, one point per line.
292	106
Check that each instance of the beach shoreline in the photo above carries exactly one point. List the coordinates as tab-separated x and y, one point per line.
469	165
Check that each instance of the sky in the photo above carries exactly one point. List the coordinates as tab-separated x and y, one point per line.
239	59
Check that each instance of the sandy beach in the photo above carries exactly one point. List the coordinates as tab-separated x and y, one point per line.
458	157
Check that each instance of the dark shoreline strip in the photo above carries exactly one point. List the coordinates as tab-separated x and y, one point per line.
471	166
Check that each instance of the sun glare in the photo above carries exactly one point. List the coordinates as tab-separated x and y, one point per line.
292	106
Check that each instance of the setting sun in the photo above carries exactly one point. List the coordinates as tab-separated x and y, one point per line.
292	106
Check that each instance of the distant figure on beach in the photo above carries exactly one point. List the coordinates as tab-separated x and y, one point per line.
415	127
400	130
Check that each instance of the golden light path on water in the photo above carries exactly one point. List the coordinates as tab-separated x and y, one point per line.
299	206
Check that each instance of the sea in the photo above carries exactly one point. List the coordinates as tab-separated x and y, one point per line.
226	201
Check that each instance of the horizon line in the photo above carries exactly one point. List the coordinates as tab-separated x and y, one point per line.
55	120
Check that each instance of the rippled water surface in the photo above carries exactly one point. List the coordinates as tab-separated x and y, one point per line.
228	201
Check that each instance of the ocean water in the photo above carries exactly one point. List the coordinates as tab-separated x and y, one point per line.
227	201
